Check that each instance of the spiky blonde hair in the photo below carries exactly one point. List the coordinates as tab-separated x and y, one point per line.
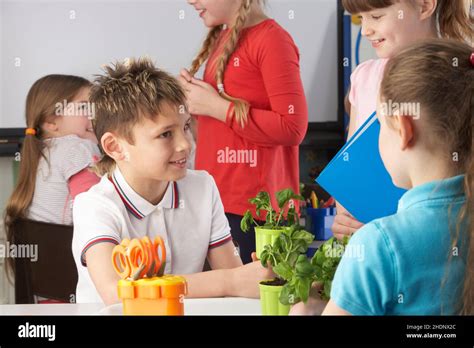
127	93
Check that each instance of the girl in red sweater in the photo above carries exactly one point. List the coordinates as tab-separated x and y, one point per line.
250	107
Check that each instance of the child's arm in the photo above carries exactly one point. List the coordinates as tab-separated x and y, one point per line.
99	266
236	281
76	157
287	121
224	256
228	277
82	182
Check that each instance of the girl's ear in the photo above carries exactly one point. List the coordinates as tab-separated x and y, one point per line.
50	125
406	131
427	8
112	146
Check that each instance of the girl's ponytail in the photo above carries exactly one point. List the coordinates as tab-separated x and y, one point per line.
206	49
241	107
20	200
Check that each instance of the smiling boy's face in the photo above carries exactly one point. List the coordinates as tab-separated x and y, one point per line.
161	146
392	28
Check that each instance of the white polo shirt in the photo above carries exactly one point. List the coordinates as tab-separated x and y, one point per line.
190	218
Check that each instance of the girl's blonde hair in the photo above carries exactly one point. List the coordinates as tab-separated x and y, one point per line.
438	75
452	16
241	107
40	105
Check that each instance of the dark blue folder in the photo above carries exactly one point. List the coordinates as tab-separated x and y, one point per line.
357	178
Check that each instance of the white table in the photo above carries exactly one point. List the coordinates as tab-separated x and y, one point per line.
204	306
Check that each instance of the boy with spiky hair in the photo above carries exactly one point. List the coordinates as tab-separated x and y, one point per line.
143	128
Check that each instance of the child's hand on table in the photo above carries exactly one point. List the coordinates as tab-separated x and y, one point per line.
247	277
344	223
314	306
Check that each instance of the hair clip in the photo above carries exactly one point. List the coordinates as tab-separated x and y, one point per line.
472	59
30	131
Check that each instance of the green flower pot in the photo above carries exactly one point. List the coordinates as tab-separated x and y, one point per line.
263	237
269	299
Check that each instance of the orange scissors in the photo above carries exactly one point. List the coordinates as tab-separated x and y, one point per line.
137	258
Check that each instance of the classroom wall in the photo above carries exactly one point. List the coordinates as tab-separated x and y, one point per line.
39	37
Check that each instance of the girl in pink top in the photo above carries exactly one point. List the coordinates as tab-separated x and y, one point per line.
390	26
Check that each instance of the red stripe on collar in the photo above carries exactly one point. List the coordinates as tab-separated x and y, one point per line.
124	200
175	195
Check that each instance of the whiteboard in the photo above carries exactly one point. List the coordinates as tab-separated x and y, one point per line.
40	37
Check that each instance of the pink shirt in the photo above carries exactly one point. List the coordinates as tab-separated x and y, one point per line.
365	84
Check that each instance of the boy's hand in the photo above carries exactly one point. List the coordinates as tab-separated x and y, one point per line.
344	223
246	278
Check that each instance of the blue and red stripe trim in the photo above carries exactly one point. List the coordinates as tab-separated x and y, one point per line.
128	204
220	241
94	241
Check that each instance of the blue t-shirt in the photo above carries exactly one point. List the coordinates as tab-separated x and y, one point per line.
395	265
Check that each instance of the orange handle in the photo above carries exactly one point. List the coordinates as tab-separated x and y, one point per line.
148	245
120	261
138	257
160	262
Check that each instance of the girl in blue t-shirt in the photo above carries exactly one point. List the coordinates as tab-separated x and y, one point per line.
418	261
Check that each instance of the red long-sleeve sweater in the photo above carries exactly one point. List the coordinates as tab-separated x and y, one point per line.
264	70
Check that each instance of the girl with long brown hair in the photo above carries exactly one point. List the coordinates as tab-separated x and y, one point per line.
58	148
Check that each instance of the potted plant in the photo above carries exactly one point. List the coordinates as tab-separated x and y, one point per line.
296	273
275	222
282	256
